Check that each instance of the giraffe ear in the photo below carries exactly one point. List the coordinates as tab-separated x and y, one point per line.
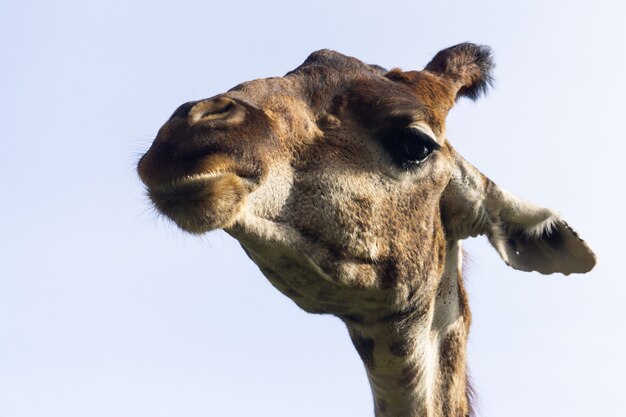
531	238
527	237
467	66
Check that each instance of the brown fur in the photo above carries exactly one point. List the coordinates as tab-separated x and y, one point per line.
436	93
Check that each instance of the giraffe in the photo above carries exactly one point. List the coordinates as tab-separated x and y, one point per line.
339	182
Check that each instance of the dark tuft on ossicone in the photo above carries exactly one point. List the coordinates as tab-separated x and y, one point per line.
468	64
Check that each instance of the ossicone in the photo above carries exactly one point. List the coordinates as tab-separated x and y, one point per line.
468	66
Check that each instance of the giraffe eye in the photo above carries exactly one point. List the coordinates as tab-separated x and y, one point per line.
408	147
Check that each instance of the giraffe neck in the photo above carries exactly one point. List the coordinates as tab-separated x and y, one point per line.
416	366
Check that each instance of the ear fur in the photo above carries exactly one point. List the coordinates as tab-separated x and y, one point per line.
527	237
468	66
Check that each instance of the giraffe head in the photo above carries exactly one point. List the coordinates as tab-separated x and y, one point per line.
340	183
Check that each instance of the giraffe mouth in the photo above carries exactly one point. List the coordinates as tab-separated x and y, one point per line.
186	187
202	202
201	195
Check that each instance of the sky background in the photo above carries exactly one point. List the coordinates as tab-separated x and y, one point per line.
107	310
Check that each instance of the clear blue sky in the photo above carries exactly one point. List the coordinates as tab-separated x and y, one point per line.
107	310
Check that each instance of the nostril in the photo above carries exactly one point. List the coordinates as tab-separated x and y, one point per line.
214	112
220	108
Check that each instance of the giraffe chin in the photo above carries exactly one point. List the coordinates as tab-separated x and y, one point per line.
203	202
